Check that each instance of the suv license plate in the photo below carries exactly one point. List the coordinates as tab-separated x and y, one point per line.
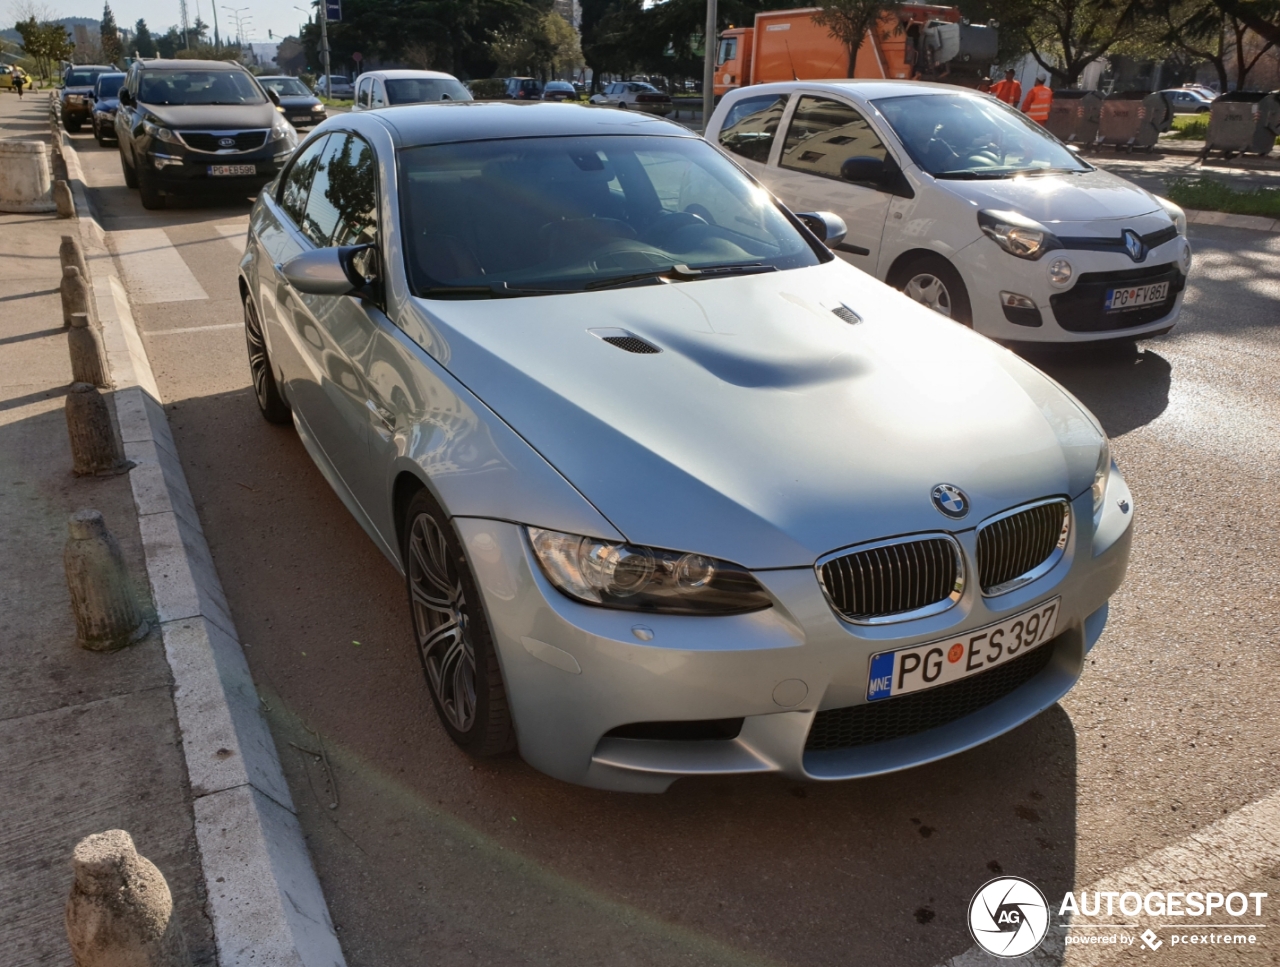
938	662
1138	295
223	171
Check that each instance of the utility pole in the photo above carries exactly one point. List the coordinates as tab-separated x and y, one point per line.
323	7
712	43
182	9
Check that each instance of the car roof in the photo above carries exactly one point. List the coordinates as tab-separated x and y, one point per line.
868	90
392	75
453	121
92	67
182	65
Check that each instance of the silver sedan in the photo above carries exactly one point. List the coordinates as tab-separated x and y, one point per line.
675	491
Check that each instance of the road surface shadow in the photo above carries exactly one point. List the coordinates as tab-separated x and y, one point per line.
1125	387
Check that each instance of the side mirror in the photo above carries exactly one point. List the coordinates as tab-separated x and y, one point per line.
125	97
275	98
880	173
828	226
326	271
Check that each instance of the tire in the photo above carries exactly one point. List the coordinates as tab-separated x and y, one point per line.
130	175
452	633
934	282
152	200
73	127
97	136
270	400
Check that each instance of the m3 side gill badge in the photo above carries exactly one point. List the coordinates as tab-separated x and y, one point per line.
950	500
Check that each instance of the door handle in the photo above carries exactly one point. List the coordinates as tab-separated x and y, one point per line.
384	415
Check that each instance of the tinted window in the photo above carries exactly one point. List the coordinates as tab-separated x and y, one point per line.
824	134
417	90
109	85
198	87
572	212
293	193
751	125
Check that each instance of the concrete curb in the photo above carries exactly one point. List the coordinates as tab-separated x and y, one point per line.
1256	223
264	898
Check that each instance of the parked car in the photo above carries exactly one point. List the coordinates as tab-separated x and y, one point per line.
105	104
75	101
675	491
967	206
297	103
1201	89
635	95
1188	101
335	86
391	88
559	91
6	78
198	127
523	89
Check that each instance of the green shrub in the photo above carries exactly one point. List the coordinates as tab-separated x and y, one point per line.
1208	194
488	88
1191	127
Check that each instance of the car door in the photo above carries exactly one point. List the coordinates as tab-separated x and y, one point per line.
822	133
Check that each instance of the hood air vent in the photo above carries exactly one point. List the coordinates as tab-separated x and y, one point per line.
847	314
624	340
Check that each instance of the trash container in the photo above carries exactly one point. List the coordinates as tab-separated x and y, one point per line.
1074	116
1134	119
1241	121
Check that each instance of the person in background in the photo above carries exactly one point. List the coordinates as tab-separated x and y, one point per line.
1008	90
18	81
1038	101
984	86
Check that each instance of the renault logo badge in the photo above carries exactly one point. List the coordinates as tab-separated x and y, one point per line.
1134	245
950	500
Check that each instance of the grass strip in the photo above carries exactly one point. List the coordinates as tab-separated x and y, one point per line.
1208	194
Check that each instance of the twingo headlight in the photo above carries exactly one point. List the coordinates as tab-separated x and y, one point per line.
159	132
1101	474
1018	235
1176	213
635	578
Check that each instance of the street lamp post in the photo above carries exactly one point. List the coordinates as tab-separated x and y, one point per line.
323	16
709	65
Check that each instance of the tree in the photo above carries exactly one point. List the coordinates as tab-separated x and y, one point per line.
546	48
111	51
44	42
1066	36
848	22
1260	16
1205	31
144	44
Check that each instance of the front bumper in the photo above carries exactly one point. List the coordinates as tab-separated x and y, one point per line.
574	672
76	112
177	172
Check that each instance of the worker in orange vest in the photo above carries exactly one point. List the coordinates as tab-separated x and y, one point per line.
1037	102
1008	90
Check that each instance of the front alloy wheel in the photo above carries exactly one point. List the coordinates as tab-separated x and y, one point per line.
931	291
932	281
270	401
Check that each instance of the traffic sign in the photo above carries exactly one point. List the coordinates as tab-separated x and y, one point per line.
333	11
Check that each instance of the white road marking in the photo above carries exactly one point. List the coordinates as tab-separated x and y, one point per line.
153	269
235	234
175	332
1228	855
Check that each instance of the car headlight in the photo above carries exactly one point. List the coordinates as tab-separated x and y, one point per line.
1018	235
74	99
635	578
1176	213
282	130
1060	271
159	132
317	107
1101	474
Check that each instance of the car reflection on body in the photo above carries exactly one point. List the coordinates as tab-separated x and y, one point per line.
675	491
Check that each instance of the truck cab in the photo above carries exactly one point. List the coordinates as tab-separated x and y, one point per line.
733	60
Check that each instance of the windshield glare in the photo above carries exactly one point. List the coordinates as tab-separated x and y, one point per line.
964	135
417	90
287	86
199	87
567	213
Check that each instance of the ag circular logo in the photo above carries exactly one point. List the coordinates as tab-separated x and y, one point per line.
951	500
1008	917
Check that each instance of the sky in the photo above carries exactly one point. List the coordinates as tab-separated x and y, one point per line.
278	16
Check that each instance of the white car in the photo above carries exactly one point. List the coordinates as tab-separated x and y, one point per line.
966	206
1187	100
635	96
335	85
390	88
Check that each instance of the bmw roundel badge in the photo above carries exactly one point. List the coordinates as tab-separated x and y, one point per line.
950	500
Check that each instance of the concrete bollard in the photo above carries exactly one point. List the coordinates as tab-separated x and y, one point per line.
71	253
85	346
102	600
94	448
120	911
24	177
62	198
74	290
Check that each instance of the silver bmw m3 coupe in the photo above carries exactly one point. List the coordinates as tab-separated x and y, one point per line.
674	491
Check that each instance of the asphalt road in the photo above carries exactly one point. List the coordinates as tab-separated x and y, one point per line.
428	857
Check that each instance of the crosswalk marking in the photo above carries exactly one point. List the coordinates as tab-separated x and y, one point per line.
235	234
153	269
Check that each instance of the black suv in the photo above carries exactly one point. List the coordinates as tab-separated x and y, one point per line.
195	127
76	100
523	89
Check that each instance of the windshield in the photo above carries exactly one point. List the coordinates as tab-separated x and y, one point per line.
82	78
967	136
199	87
416	90
109	85
575	213
287	86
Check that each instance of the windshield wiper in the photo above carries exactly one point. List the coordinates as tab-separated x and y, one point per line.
685	273
494	290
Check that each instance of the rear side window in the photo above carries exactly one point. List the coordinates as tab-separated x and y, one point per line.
824	134
293	193
751	125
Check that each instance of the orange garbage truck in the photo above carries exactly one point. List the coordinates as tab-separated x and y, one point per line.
911	40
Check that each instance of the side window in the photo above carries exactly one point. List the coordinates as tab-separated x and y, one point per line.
343	205
826	133
297	183
375	97
362	93
751	125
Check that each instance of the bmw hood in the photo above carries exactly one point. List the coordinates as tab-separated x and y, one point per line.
214	117
767	430
1088	196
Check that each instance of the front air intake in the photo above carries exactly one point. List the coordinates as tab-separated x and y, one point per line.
626	341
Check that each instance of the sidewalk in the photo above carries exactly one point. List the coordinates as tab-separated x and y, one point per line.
88	742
